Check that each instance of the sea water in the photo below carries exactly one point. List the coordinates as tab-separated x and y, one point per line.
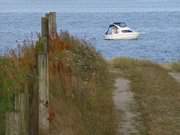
159	40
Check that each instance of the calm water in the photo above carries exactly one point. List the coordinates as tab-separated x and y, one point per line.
159	41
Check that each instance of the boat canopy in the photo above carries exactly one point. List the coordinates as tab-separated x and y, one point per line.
116	25
120	24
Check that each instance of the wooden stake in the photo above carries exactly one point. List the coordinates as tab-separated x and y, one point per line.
43	81
52	24
16	122
45	33
48	29
12	123
34	107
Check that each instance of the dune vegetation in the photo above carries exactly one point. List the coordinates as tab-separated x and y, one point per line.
80	85
156	92
175	66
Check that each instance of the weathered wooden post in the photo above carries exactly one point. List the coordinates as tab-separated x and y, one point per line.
12	123
43	94
16	120
33	109
52	24
24	111
43	79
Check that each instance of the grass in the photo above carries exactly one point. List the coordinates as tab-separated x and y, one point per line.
81	88
15	71
175	66
156	92
80	85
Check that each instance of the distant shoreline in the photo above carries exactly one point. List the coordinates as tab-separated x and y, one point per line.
91	10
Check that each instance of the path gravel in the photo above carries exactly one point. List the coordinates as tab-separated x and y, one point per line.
124	102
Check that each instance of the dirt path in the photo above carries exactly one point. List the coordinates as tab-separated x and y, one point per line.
175	76
125	104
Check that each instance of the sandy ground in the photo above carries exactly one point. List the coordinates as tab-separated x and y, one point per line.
175	76
124	101
126	106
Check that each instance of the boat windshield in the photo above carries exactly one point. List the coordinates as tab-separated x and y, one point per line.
112	30
121	24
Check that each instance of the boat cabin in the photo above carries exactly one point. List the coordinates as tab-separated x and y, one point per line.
119	30
118	27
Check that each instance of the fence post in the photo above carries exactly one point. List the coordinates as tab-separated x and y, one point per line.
52	24
43	81
33	106
13	126
12	123
48	30
17	120
23	109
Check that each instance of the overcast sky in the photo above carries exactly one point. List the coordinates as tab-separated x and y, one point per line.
88	5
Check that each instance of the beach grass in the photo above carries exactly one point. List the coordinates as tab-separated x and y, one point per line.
175	66
156	92
81	85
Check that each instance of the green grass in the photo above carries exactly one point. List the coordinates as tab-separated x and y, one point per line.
156	92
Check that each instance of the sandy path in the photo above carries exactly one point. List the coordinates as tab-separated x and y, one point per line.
175	76
124	102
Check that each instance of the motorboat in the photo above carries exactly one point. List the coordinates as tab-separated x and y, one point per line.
120	30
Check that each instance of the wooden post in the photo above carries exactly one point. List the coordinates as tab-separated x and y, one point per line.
23	109
43	94
48	28
45	33
33	106
52	24
16	122
43	81
12	123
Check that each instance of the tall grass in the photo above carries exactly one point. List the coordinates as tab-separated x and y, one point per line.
175	66
16	69
80	85
157	94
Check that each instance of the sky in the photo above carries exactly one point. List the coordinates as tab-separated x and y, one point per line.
88	5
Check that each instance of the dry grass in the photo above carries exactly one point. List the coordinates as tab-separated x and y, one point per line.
16	70
157	94
80	85
175	67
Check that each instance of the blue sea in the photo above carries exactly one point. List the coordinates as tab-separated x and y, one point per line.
159	40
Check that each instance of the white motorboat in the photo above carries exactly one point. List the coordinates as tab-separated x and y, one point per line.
119	30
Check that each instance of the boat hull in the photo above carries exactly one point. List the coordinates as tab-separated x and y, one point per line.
122	36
